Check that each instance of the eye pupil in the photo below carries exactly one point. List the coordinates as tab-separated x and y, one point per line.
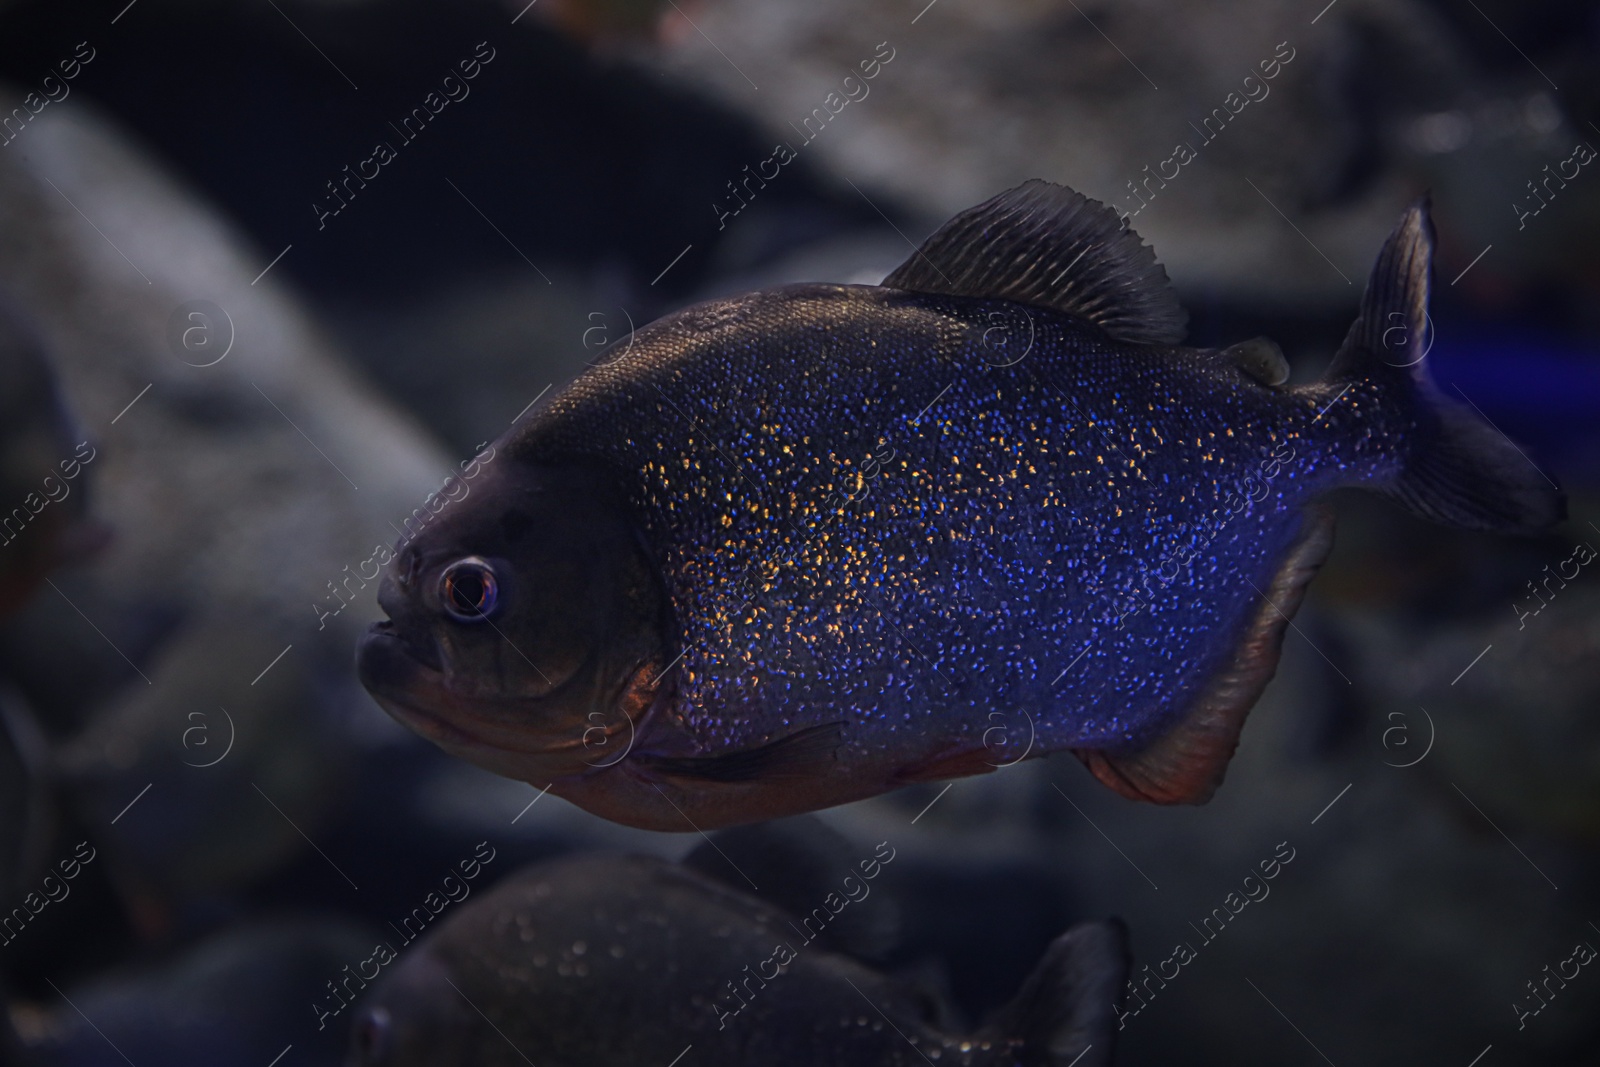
469	590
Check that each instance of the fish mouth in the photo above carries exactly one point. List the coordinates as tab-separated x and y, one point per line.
426	653
393	670
410	684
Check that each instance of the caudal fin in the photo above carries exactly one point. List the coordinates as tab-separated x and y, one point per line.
1459	470
1066	1012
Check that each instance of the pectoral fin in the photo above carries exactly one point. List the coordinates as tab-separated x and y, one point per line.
802	754
1186	764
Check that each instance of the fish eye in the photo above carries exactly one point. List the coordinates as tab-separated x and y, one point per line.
469	590
372	1036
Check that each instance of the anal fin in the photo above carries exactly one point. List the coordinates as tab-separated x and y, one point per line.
1187	763
803	753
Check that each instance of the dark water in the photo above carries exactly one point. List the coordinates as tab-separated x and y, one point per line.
1429	754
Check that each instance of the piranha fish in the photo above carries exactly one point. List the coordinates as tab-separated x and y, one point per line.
799	547
624	960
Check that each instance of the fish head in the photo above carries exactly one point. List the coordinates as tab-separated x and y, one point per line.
526	628
414	1017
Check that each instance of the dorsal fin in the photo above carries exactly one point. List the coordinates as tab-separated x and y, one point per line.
1044	244
1068	1004
1393	326
1186	764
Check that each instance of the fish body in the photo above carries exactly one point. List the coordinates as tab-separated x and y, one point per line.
869	535
622	960
911	543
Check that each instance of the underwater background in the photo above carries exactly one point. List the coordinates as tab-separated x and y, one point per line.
287	265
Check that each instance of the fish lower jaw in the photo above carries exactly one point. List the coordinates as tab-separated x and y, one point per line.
435	729
503	756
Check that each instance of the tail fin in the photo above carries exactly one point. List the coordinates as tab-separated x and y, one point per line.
1067	1009
1460	470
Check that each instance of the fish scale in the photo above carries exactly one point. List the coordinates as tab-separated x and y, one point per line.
882	618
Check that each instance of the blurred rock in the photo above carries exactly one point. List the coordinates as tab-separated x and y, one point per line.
244	469
232	443
45	519
211	782
980	98
27	810
1478	660
241	997
468	360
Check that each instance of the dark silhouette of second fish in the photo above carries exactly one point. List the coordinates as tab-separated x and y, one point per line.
625	960
803	546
